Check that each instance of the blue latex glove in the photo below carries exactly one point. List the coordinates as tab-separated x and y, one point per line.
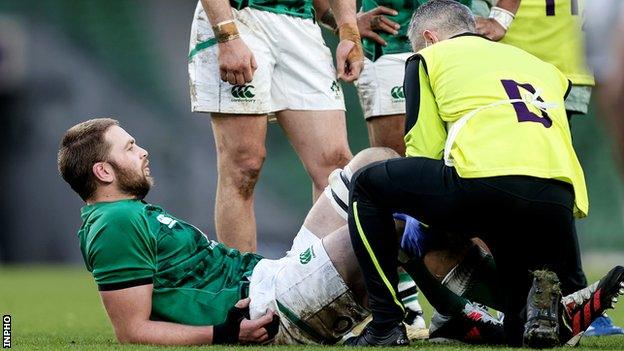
413	240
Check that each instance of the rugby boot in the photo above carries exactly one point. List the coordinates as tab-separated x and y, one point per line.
542	326
394	336
474	326
584	306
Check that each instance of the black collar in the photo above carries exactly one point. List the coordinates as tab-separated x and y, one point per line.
469	34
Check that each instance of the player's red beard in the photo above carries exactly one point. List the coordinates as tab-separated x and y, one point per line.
131	182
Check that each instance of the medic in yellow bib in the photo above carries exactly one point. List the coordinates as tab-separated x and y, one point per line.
490	152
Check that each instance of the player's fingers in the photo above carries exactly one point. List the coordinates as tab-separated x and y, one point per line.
223	74
258	334
240	78
382	10
390	22
387	28
375	37
262	321
242	303
231	78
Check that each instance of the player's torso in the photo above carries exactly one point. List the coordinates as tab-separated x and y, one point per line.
298	8
196	280
551	30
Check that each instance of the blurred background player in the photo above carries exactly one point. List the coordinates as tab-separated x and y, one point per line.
604	27
250	59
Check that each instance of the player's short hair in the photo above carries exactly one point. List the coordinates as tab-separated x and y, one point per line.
448	17
82	146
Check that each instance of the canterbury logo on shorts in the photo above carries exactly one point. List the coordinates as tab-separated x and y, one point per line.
397	93
243	91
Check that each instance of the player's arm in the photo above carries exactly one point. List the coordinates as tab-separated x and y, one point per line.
349	55
496	25
368	22
236	62
129	310
425	130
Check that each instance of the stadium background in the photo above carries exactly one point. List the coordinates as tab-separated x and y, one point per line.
63	61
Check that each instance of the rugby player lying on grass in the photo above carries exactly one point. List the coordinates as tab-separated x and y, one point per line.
163	282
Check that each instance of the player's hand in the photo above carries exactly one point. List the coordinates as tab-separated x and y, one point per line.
236	62
372	21
490	28
257	331
348	70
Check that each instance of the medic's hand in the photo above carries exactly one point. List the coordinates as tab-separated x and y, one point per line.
236	62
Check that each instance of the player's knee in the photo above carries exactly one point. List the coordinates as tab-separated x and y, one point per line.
243	170
328	162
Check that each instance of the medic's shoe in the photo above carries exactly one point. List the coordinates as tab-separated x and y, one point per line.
475	326
542	327
395	336
581	308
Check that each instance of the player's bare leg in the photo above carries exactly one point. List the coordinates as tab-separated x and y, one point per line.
387	131
320	140
240	144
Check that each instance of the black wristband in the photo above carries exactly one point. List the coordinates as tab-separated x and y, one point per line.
227	332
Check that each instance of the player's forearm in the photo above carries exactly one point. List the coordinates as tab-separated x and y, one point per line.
325	15
164	333
344	12
217	11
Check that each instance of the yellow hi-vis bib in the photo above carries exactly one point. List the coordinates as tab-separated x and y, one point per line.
503	115
551	30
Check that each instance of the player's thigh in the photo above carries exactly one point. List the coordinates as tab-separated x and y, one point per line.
208	92
318	137
239	139
304	76
380	86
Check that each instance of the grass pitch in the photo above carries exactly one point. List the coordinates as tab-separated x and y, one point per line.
58	308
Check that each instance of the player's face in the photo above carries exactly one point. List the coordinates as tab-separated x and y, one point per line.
129	162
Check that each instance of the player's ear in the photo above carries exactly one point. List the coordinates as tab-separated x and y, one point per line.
103	172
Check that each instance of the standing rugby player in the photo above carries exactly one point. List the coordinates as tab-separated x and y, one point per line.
249	59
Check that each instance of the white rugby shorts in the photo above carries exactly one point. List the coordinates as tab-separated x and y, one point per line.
380	86
295	67
314	304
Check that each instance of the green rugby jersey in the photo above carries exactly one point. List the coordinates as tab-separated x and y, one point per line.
130	242
400	43
297	8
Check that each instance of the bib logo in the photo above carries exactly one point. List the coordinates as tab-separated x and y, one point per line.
306	256
243	92
397	93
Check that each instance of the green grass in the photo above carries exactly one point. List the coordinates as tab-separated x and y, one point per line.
59	308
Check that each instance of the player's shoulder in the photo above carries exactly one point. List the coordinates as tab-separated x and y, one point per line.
117	213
